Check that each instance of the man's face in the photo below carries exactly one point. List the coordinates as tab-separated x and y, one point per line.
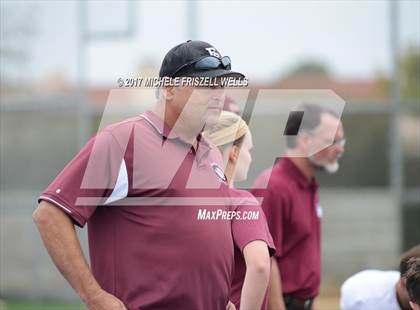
244	158
327	159
199	107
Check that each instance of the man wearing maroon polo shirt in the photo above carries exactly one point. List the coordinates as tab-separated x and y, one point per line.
292	207
139	185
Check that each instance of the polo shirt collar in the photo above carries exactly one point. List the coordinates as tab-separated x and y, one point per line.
159	125
167	133
298	175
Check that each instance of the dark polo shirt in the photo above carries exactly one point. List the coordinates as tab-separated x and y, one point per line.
140	188
294	219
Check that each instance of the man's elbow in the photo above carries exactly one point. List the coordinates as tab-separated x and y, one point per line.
257	258
261	267
46	213
39	215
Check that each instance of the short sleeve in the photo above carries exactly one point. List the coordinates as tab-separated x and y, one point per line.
88	180
274	205
250	223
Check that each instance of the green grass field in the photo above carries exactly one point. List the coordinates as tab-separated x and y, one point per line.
16	305
322	303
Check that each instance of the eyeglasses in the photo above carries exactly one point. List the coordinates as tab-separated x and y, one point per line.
340	142
207	63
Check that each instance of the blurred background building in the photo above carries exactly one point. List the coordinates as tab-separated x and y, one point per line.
60	62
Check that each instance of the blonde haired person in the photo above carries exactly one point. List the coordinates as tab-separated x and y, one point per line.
252	265
231	134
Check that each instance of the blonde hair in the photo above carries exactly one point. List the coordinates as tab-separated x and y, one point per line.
229	129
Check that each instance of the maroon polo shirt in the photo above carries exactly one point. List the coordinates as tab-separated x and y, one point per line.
140	188
247	230
294	219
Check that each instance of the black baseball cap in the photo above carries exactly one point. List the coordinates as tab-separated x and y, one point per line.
179	61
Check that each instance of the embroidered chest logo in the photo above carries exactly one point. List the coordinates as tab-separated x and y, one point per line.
319	210
219	172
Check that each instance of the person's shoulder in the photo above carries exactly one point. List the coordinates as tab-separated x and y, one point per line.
121	131
272	182
124	125
272	176
243	197
372	275
116	134
367	277
263	178
367	289
361	276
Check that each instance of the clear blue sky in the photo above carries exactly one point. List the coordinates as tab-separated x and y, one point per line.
265	39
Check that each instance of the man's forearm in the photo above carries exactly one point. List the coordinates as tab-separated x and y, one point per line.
275	293
60	239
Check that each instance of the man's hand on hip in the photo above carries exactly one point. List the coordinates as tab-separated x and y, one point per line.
230	306
104	301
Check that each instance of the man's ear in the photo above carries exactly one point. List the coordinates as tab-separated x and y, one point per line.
414	306
233	154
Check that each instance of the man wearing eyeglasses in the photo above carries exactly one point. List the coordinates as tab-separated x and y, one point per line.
139	185
292	208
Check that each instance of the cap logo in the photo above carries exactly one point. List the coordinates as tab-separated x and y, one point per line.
213	52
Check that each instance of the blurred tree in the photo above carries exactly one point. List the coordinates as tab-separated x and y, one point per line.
310	68
410	73
384	84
